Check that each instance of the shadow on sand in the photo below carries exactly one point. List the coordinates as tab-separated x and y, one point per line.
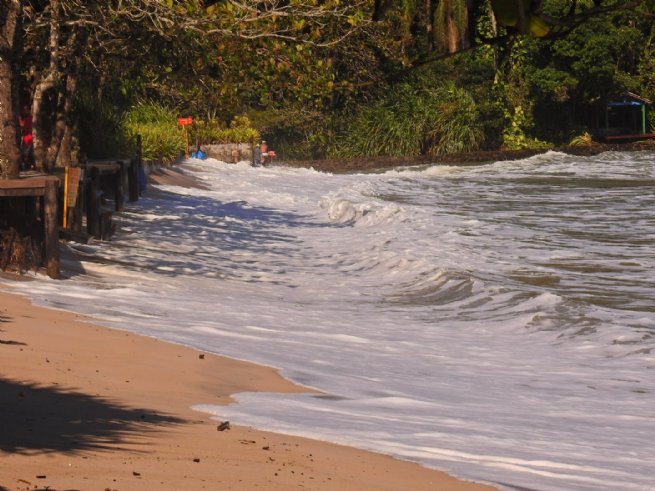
3	319
38	419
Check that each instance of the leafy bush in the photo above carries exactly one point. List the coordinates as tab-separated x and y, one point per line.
413	120
456	127
205	131
100	131
162	137
581	140
213	131
295	132
515	138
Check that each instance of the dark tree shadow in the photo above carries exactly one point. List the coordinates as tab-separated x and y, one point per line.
204	227
12	343
40	419
6	318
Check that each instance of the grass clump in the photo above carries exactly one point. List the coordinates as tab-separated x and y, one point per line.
413	120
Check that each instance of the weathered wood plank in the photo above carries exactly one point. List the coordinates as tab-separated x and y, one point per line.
18	192
120	179
133	181
93	203
52	258
29	186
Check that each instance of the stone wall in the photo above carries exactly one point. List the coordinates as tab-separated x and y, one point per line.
229	152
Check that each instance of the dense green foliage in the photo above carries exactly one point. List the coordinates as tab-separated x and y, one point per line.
324	79
212	131
363	97
415	119
162	138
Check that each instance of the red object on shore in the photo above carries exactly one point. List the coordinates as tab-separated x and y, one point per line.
26	130
184	121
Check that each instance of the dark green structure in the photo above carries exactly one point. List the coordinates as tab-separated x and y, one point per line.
625	118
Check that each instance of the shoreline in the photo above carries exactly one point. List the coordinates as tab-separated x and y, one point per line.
90	407
464	158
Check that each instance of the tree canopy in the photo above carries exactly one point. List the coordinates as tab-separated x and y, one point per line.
304	69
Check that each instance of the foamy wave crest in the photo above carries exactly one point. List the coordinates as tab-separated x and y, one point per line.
357	205
528	163
443	170
346	212
436	287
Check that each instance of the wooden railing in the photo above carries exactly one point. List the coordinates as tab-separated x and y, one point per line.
72	203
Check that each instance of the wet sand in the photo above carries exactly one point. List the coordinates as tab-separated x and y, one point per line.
91	408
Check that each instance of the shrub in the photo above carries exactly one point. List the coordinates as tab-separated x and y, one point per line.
296	131
213	131
581	140
100	131
413	120
514	136
162	137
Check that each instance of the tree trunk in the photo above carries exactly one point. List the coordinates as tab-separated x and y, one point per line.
60	149
430	9
10	17
49	78
9	153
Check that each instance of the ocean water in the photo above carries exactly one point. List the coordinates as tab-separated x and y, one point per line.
495	321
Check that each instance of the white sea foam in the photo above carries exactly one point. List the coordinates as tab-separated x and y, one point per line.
494	321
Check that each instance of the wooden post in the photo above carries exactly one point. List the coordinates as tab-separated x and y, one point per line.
135	166
51	229
93	204
72	190
184	122
133	180
139	150
65	213
119	186
80	207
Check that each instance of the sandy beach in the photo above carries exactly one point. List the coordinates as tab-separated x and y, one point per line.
90	408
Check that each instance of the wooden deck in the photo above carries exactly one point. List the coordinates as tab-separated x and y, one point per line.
26	185
122	173
45	188
82	194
